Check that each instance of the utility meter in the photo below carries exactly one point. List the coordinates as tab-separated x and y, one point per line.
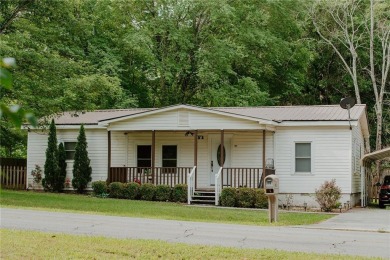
271	184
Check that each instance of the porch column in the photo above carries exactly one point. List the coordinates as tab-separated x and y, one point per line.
196	156
153	152
263	175
109	155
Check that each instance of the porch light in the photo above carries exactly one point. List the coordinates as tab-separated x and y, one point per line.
269	163
189	133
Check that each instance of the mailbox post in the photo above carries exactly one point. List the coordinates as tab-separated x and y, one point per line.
272	191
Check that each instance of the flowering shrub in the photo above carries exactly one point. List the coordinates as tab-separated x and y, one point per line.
137	181
328	195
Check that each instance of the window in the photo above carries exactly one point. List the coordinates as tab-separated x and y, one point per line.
302	157
70	150
169	156
144	155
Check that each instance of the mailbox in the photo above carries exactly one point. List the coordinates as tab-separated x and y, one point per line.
271	184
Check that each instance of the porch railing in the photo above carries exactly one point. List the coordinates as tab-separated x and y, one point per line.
218	185
191	184
241	177
161	175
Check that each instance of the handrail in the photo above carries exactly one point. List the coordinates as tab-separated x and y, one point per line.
218	185
191	185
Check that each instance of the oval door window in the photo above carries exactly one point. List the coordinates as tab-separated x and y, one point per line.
219	155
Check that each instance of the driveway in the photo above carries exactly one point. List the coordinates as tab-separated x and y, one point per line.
358	219
318	240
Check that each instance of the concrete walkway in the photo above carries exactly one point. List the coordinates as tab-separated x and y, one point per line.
303	239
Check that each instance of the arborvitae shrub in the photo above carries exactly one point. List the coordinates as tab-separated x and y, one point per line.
179	193
60	180
131	190
99	188
228	197
147	191
51	168
245	197
163	192
82	170
260	200
328	195
116	190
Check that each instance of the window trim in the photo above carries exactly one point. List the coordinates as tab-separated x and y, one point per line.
311	157
69	141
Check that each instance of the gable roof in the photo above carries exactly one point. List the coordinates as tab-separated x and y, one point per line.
266	113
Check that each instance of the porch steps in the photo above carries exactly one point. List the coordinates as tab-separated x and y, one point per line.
203	196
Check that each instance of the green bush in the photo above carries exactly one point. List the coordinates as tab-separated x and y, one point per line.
131	190
245	197
228	197
99	188
116	190
147	191
179	193
163	193
260	199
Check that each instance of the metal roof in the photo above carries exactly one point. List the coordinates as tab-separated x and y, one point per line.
298	113
374	156
274	113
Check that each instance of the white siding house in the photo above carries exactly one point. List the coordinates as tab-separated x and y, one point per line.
303	145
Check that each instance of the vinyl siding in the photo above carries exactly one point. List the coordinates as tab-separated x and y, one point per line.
97	151
357	152
330	155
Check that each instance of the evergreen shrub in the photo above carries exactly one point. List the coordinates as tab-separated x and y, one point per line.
131	190
260	199
147	191
116	190
245	197
82	170
100	188
179	193
163	193
228	197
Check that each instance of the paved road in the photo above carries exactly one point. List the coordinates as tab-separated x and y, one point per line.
317	240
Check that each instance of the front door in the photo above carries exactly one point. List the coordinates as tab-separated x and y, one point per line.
215	158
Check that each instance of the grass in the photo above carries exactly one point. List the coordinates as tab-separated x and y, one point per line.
149	209
38	245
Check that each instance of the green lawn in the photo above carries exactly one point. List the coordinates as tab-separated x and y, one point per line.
148	209
39	245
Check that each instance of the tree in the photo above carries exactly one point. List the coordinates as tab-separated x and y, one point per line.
51	168
81	168
62	168
360	36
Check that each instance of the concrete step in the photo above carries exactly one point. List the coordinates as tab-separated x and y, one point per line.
197	201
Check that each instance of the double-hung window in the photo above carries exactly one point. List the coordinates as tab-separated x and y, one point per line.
144	156
169	157
303	157
70	150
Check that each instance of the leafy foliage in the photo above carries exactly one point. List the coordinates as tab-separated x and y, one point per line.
116	190
163	193
328	195
131	190
99	188
179	193
228	197
81	167
51	168
147	191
